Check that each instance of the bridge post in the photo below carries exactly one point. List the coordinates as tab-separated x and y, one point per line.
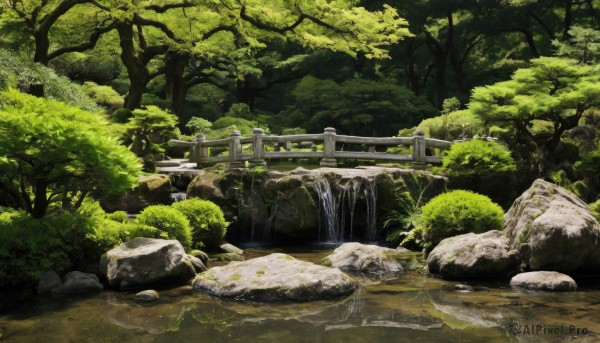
235	149
419	146
197	152
328	159
258	149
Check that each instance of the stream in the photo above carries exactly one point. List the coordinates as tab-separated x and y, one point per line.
412	308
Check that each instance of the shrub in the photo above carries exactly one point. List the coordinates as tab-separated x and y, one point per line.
118	216
169	220
595	209
140	230
206	219
459	212
483	167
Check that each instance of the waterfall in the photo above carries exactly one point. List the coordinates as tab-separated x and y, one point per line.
338	204
371	200
328	228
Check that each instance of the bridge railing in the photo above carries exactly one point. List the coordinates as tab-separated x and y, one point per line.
419	157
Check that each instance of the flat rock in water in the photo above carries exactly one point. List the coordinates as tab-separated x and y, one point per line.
230	248
544	281
363	258
275	277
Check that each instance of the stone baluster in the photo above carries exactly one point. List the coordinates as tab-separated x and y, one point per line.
235	149
328	159
419	146
258	148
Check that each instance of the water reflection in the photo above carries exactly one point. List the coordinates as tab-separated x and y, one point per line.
414	307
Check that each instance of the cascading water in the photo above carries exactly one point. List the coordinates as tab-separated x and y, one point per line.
371	200
328	228
334	202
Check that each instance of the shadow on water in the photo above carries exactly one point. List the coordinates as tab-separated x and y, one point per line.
410	308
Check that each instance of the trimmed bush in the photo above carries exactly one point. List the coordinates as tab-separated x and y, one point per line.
169	220
483	167
118	216
140	230
595	209
206	219
459	212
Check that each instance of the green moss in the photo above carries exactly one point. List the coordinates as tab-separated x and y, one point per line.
260	272
326	262
235	277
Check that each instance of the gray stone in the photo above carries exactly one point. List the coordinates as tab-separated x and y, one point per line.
362	258
197	263
201	255
81	283
274	277
230	248
49	283
146	296
147	261
544	281
473	256
553	229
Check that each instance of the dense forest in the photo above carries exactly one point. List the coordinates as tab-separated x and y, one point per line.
114	77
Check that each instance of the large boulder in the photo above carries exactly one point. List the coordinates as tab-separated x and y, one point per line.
473	256
152	190
81	283
274	277
362	258
544	281
553	229
147	261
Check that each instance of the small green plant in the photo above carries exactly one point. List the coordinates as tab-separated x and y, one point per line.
206	219
118	216
199	125
459	212
407	221
169	220
595	209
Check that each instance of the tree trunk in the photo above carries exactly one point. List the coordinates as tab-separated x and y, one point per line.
40	202
42	45
175	87
136	70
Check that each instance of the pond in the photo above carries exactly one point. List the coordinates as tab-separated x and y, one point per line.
412	308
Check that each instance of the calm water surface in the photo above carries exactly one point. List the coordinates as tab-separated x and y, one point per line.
412	308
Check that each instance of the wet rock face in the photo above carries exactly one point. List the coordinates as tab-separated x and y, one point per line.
325	204
553	229
275	277
473	256
544	281
362	258
147	261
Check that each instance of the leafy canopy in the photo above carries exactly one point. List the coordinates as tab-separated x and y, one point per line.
51	151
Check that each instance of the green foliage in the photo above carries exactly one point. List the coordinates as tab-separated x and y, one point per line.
458	212
19	73
140	230
409	228
121	115
358	106
53	152
104	96
206	219
582	45
169	220
595	209
452	125
222	127
118	216
199	125
478	157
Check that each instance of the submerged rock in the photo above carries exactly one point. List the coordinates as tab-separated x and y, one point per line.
274	277
473	256
553	229
147	261
146	296
544	281
230	248
81	283
362	258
